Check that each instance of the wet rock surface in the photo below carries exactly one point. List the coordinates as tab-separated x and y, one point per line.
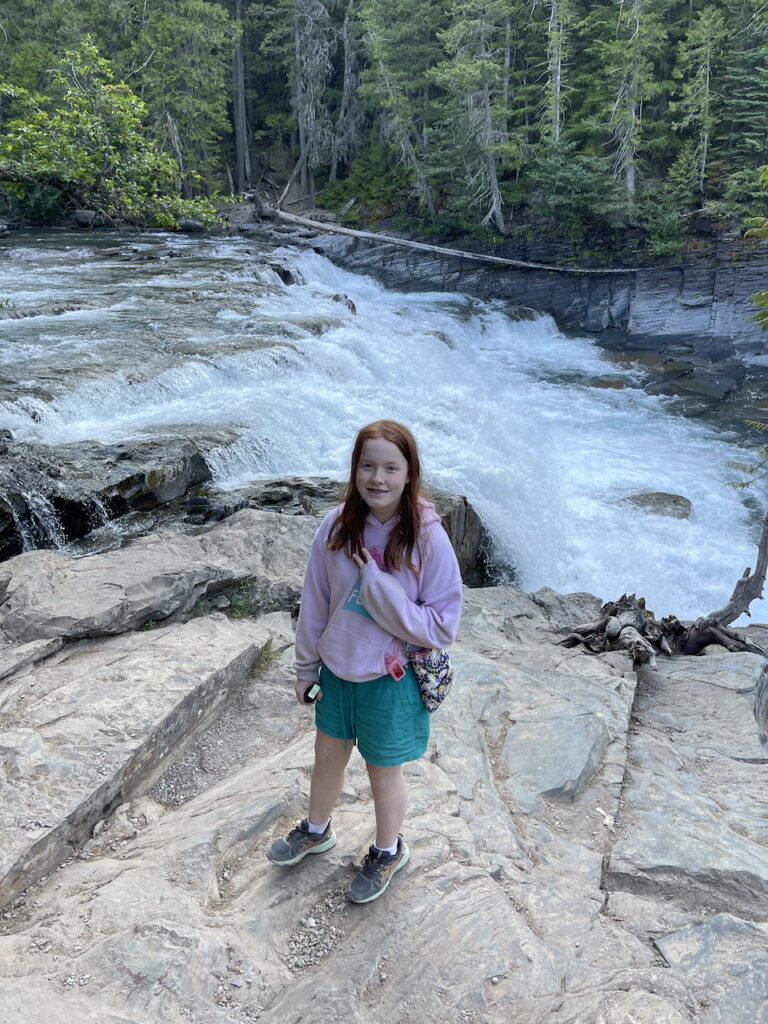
586	846
661	503
49	496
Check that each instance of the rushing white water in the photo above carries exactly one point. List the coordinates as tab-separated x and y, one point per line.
278	378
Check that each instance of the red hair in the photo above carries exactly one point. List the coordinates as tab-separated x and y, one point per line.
347	532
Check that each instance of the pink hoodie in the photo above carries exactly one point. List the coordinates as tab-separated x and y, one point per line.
352	619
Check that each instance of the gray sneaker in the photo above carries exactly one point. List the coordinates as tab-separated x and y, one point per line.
376	873
299	842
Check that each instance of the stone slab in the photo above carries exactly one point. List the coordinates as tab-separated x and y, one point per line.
46	594
16	659
694	819
98	723
726	962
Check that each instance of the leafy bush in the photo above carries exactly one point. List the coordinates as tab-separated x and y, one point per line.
86	142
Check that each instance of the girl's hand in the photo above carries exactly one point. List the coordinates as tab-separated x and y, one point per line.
302	687
360	562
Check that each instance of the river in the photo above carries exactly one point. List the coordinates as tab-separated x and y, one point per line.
139	336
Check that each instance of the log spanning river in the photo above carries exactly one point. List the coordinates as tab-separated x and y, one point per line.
271	358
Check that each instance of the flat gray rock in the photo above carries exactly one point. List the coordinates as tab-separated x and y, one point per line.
84	731
45	594
693	812
726	962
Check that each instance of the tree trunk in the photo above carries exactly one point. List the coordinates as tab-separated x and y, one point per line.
300	115
342	143
555	59
496	211
238	104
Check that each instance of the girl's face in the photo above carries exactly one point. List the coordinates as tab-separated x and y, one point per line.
382	474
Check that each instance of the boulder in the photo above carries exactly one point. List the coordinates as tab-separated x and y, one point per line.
661	504
259	556
190	225
84	218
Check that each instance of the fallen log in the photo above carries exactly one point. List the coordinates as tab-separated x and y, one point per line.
628	625
375	236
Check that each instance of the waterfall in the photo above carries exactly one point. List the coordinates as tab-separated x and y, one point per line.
544	434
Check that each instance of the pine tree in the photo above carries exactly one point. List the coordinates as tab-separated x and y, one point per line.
401	47
699	69
745	86
477	82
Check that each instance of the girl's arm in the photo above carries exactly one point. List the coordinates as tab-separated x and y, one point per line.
313	615
434	622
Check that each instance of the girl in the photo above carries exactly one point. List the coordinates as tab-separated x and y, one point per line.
382	577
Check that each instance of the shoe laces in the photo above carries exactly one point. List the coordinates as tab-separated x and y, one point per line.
372	863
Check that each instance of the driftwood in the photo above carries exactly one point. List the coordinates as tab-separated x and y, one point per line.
627	624
374	236
761	707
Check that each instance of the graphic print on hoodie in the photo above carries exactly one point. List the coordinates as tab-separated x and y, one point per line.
353	602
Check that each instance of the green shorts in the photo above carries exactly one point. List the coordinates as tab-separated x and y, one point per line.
386	718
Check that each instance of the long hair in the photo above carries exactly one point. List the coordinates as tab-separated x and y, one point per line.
347	532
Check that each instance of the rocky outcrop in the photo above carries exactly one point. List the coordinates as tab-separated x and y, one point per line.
49	496
247	559
586	845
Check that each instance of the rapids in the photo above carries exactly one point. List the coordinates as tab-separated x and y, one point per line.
157	335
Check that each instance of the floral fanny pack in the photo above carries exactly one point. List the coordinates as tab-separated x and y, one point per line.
434	674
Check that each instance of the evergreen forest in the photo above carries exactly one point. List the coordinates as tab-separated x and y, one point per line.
460	117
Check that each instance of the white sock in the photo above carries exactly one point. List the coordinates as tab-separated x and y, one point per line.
391	850
317	830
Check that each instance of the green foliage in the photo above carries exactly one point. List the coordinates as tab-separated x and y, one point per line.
758	228
660	105
377	184
268	655
241	603
574	189
183	50
753	470
662	207
35	204
87	143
